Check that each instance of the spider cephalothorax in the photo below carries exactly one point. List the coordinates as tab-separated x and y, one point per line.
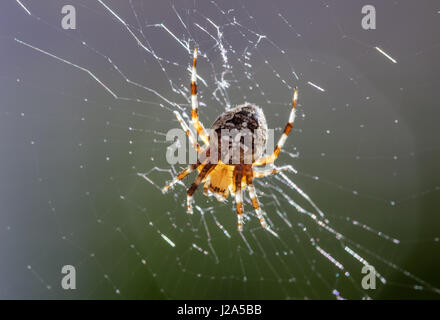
247	136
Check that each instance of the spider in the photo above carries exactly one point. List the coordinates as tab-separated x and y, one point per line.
222	178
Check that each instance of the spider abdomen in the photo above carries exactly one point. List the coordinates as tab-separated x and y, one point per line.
240	134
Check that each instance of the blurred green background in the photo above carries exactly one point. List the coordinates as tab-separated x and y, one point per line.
366	149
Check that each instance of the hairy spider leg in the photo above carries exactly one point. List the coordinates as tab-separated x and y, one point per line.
206	186
237	178
195	102
189	133
254	198
207	168
203	159
180	176
271	158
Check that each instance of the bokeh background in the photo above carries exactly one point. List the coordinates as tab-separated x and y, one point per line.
366	148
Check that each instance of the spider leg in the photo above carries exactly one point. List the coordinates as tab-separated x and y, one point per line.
189	133
270	159
206	187
271	171
201	161
254	198
207	168
237	178
180	176
195	102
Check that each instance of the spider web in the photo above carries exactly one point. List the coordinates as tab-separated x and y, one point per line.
84	121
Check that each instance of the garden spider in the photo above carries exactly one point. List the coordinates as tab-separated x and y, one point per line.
219	177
